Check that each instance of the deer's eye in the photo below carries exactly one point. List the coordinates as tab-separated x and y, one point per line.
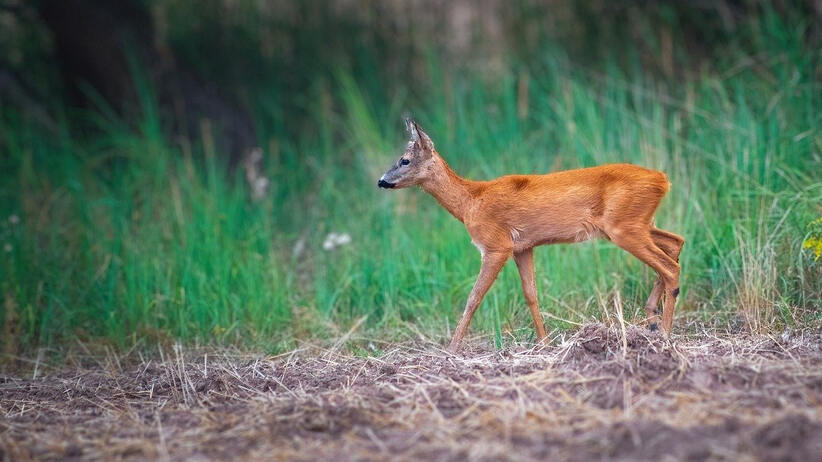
404	161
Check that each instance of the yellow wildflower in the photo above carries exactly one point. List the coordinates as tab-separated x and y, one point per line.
813	243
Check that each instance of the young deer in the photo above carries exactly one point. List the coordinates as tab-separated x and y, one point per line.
512	214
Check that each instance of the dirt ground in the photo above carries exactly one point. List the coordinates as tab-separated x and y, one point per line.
599	393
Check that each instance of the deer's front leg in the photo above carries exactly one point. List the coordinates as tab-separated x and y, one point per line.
525	265
492	263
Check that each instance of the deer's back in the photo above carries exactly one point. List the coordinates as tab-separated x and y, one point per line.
570	205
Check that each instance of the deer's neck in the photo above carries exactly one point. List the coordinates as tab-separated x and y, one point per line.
449	189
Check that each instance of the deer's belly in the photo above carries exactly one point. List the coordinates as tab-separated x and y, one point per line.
548	234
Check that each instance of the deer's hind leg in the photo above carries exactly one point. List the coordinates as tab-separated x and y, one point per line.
641	245
671	244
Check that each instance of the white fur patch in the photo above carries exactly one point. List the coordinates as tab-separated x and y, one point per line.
481	248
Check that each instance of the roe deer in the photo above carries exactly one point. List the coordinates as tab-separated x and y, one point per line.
512	214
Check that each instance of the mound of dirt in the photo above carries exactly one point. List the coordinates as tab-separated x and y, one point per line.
601	393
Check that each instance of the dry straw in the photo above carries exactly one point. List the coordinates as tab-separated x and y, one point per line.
603	392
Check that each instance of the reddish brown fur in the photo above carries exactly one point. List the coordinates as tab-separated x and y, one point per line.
508	216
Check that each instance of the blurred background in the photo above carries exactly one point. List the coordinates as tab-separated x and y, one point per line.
206	171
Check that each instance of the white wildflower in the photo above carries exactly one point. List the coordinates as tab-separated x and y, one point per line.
334	240
7	248
14	219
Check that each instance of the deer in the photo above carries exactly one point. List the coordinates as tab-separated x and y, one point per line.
508	216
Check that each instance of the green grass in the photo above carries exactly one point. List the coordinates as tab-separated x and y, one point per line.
127	236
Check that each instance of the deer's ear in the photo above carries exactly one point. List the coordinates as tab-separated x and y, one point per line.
418	135
409	127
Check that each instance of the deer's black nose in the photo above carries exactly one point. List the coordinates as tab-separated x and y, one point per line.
385	184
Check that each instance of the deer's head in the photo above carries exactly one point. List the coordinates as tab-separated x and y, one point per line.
416	162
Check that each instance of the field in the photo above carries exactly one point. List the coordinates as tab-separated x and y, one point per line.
599	393
162	298
132	240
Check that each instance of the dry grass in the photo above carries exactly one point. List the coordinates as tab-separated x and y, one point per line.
585	397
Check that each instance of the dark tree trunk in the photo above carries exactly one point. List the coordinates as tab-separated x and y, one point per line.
93	40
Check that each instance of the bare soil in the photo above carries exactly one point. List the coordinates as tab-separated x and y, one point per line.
600	393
